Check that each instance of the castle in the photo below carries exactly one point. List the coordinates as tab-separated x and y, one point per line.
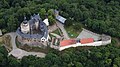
33	32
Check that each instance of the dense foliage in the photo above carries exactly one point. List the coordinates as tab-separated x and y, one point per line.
101	16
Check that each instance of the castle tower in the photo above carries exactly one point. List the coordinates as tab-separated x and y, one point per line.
25	28
36	24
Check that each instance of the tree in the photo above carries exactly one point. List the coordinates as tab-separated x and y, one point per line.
3	57
13	62
21	13
4	4
28	61
117	61
52	59
78	64
12	23
2	23
42	13
51	20
108	62
50	12
66	58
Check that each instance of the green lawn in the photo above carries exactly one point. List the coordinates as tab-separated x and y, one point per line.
73	33
7	41
56	32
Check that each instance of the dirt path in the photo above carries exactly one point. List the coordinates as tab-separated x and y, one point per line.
63	30
52	28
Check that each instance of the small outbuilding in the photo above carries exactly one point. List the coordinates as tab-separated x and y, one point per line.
59	17
46	22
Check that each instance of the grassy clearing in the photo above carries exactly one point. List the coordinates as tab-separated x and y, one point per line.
74	29
51	35
7	41
57	32
73	33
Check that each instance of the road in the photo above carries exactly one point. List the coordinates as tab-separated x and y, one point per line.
63	30
19	53
13	36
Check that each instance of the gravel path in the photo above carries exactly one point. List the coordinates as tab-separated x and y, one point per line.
52	28
61	26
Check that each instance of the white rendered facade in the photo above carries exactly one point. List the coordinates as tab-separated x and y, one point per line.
46	22
98	43
25	28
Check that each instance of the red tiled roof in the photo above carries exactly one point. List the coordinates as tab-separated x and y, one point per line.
67	42
86	40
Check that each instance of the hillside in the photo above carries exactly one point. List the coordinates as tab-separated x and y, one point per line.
100	16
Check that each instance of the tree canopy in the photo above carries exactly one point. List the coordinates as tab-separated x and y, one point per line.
102	16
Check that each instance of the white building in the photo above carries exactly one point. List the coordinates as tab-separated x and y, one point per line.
88	39
25	28
46	22
59	17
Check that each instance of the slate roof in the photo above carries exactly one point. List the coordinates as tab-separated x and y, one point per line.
61	19
42	27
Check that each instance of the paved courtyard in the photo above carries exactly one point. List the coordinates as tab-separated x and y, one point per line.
88	34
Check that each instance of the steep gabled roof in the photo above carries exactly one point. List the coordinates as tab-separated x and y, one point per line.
61	19
67	42
86	40
42	27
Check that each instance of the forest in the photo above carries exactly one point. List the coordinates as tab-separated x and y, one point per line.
100	16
